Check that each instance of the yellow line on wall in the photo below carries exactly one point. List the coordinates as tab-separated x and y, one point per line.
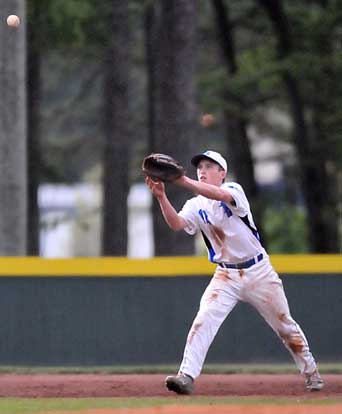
306	263
159	266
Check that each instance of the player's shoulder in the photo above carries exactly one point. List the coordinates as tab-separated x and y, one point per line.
192	201
199	201
196	203
233	185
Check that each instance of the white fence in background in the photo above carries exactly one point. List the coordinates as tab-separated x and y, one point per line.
70	217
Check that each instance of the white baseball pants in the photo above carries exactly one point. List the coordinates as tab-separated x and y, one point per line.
258	285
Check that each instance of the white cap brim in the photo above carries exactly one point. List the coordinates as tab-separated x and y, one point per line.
212	156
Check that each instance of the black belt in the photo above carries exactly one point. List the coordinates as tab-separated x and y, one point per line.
243	265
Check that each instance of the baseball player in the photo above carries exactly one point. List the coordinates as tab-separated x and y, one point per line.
221	212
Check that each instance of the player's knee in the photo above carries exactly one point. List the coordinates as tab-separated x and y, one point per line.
287	327
291	335
286	323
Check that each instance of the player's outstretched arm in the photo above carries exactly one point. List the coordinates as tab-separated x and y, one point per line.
173	220
207	190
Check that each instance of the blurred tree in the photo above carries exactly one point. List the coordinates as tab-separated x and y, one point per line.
33	79
290	222
236	115
323	24
48	27
150	29
13	131
264	73
117	65
311	146
66	26
174	106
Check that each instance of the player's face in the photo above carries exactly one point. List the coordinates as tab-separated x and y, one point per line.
210	172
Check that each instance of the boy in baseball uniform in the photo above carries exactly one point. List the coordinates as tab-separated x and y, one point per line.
221	212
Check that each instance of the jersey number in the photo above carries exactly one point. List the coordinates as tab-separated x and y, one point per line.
204	216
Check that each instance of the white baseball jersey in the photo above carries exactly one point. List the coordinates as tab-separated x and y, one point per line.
228	230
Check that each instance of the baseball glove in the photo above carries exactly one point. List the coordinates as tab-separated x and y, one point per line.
162	167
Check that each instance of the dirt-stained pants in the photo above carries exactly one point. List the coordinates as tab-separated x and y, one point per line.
258	285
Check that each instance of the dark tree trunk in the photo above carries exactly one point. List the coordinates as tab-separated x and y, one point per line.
150	49
323	235
175	108
239	150
33	133
13	133
311	158
117	133
326	182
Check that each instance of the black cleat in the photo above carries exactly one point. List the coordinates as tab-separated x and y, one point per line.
180	383
314	381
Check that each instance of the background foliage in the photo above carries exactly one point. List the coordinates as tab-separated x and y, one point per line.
268	71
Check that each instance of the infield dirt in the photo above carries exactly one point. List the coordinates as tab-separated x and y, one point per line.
98	385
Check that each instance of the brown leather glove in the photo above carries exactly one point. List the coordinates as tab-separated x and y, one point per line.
162	167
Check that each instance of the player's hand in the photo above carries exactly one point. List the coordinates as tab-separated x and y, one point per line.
157	187
181	181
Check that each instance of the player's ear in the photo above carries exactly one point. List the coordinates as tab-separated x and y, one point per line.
223	174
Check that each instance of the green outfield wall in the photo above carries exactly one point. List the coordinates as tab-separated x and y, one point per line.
119	311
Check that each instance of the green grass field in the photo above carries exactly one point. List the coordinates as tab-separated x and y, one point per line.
325	368
34	406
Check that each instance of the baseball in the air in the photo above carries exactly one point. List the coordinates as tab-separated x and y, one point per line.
13	20
207	120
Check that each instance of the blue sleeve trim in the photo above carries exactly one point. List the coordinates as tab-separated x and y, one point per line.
226	209
211	251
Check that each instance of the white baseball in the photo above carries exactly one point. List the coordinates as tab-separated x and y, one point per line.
13	20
